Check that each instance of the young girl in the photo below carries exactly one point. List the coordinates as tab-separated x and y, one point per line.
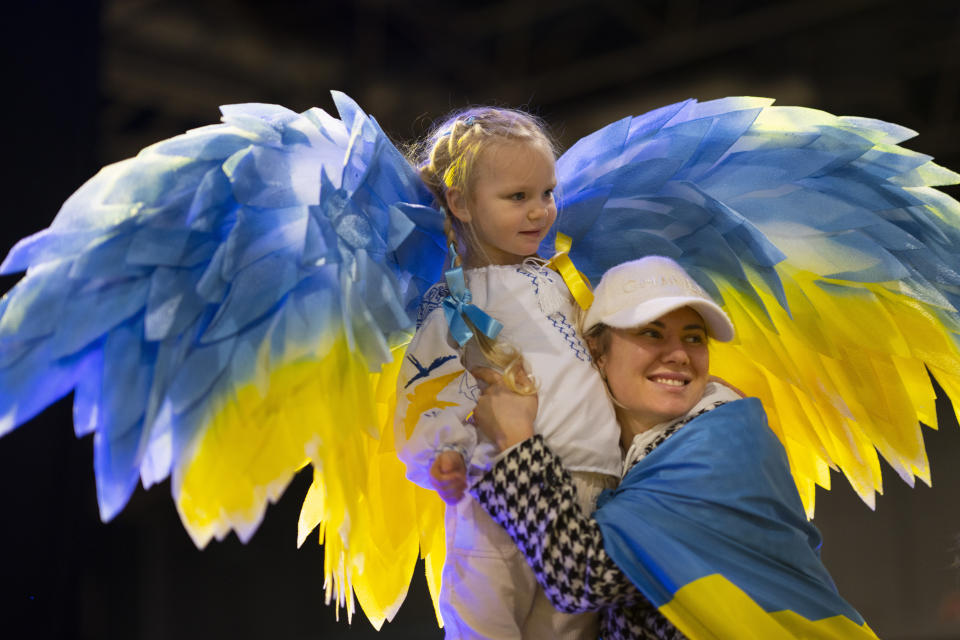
492	171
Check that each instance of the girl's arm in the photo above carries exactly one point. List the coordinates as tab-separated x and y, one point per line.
434	397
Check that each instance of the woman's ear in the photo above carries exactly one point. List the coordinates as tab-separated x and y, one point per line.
601	364
593	346
457	204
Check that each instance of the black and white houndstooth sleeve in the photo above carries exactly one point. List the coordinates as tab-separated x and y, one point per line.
529	493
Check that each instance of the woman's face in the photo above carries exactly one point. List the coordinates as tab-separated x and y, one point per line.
657	371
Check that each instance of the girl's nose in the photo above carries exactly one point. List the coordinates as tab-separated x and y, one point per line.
537	212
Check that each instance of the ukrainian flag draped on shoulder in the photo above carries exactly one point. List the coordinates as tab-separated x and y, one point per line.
711	529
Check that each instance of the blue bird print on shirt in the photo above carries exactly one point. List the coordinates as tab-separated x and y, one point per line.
423	372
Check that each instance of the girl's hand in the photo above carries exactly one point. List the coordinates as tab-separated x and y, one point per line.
448	475
502	415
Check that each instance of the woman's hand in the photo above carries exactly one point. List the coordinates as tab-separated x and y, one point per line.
502	415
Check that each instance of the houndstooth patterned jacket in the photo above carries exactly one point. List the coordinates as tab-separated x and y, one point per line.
529	493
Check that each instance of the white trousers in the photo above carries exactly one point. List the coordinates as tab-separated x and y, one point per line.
488	591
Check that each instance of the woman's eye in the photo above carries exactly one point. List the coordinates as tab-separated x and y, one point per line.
648	333
695	338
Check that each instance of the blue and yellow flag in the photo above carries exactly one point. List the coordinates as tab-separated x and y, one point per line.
711	529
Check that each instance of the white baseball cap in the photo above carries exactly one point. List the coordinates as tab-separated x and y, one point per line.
640	291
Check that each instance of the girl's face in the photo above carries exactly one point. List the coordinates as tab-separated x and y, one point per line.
657	371
510	206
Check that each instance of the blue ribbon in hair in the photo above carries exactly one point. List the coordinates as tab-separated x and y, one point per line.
457	308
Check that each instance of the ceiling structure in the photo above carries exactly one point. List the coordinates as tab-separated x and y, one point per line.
166	65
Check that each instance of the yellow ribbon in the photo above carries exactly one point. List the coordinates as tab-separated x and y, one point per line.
577	282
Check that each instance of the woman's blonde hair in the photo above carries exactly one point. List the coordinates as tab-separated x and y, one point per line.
446	159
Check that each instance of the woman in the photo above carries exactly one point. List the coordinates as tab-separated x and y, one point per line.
706	536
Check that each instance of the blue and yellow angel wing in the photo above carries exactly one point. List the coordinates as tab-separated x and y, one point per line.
825	241
226	307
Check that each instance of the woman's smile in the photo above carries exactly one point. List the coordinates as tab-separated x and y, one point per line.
657	371
670	379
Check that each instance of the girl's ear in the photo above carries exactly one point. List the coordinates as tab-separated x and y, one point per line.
457	204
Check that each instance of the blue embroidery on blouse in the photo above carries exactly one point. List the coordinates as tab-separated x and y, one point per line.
533	279
469	389
570	335
558	320
432	299
422	371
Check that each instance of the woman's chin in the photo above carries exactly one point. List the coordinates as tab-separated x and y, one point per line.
665	404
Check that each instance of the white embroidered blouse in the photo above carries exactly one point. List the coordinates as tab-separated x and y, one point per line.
436	394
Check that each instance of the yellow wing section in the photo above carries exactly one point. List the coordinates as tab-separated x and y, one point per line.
842	376
373	522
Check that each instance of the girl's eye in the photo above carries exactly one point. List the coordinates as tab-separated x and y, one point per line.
695	338
648	333
548	194
518	196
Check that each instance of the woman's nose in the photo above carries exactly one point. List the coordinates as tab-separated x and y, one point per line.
675	351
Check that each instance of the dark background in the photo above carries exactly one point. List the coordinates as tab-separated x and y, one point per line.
89	83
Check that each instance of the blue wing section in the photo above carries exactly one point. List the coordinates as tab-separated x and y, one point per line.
169	278
737	184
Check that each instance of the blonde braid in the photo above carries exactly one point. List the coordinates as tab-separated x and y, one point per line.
451	234
430	175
